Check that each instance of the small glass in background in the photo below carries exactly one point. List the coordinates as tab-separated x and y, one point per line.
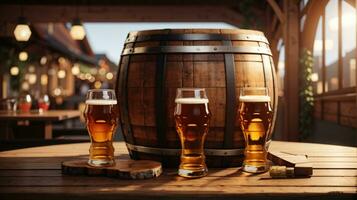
44	103
25	103
11	105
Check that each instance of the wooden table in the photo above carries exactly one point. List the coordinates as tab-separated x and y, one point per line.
34	173
42	121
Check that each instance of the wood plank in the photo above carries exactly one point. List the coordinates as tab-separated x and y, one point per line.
27	172
50	115
335	172
52	166
248	180
209	192
333	159
232	172
123	169
62	150
309	147
31	173
323	165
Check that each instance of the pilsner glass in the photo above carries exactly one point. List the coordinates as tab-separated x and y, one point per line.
192	118
255	117
101	115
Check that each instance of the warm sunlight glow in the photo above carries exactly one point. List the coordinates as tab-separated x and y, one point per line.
318	45
314	77
348	20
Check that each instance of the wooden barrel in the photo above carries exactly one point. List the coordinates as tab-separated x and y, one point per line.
154	63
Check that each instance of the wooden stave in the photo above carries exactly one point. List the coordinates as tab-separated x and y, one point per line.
173	141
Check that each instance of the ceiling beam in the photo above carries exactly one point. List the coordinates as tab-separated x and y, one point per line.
277	10
108	13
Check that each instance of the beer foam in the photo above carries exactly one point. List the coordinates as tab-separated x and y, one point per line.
101	102
191	101
254	98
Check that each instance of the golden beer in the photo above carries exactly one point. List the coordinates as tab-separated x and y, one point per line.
192	120
101	118
255	116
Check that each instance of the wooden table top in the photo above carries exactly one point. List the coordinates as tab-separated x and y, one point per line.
50	115
35	173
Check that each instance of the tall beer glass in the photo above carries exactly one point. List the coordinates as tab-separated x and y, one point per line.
255	116
192	118
101	115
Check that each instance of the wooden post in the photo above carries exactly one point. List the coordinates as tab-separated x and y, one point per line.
291	89
47	130
356	78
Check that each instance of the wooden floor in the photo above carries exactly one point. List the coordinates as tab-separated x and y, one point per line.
34	173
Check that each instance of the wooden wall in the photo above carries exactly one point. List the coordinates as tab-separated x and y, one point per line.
340	109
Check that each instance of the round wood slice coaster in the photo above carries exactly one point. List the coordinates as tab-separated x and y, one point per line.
123	169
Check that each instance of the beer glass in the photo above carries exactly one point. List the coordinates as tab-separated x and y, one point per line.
101	115
25	103
255	117
192	118
44	102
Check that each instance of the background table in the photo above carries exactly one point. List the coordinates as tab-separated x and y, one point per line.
35	173
42	121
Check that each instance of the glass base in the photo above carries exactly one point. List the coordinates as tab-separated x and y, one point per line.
256	167
193	173
101	163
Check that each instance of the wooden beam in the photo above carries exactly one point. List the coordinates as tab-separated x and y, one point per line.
278	34
313	14
291	86
340	57
277	10
323	70
306	9
274	24
108	13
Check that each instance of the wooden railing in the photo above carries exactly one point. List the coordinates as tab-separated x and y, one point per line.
337	106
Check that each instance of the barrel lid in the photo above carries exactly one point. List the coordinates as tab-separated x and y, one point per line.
198	31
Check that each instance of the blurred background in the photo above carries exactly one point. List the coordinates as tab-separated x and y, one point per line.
53	52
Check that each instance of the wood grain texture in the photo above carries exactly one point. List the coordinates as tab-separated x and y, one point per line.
35	173
123	169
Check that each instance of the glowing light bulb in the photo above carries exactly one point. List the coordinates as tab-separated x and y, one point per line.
75	69
77	30
22	30
14	70
61	74
23	56
109	76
